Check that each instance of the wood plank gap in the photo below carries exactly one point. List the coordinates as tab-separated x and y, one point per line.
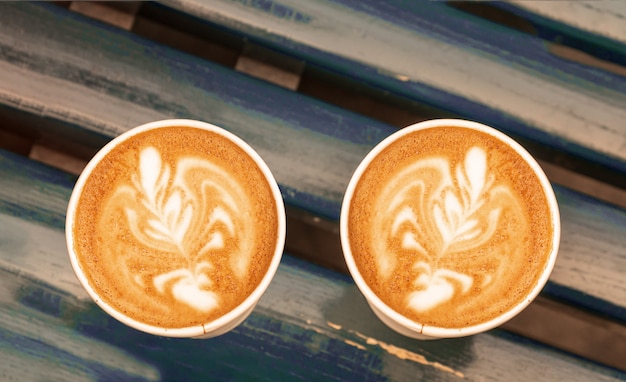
186	42
188	34
270	66
57	159
16	143
572	330
585	184
119	14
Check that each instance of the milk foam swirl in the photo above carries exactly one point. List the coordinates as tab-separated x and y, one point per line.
436	211
187	213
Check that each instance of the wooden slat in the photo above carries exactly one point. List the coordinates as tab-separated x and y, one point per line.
592	257
604	18
572	330
585	184
311	324
431	52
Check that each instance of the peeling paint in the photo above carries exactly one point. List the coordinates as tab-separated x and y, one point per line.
397	76
401	353
402	77
409	355
317	330
333	325
395	351
355	344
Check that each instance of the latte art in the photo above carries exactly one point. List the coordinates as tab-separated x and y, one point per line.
435	213
188	215
175	227
449	227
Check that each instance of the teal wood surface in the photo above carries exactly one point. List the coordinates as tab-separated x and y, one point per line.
590	22
432	53
97	80
311	324
103	81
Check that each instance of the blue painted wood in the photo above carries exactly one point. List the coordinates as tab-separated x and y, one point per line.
104	81
595	27
590	228
432	53
311	324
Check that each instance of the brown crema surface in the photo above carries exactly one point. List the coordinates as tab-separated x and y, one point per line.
202	226
450	227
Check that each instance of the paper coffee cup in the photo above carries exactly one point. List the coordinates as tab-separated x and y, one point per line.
176	228
449	228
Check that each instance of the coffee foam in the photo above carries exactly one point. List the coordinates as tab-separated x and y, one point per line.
450	227
175	227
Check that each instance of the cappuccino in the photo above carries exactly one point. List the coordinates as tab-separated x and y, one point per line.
175	226
449	226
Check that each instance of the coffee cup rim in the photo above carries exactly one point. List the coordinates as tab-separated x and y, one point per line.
398	321
229	319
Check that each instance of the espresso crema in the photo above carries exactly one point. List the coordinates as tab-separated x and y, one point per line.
175	227
450	227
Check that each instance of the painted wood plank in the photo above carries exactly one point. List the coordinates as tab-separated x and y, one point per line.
105	81
311	324
433	53
588	32
592	256
597	17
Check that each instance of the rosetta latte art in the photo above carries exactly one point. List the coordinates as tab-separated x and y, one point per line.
185	216
435	212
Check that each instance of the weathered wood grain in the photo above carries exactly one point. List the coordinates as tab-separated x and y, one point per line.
105	81
592	253
573	330
311	324
436	54
121	16
603	18
590	33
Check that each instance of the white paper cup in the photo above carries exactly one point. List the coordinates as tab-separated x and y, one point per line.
223	323
401	323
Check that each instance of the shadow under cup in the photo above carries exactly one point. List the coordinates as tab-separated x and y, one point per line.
449	228
176	228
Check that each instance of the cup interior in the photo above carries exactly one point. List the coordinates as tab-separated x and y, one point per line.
399	322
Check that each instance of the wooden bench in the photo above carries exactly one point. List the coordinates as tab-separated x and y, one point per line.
437	54
71	83
517	81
